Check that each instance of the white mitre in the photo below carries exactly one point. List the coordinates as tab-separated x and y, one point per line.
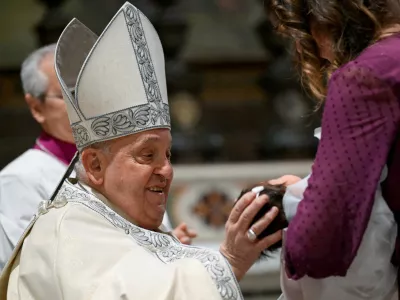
113	85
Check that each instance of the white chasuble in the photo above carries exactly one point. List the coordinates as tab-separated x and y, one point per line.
78	248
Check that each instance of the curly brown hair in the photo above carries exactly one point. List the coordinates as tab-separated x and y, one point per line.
352	26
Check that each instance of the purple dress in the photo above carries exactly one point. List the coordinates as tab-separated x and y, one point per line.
361	135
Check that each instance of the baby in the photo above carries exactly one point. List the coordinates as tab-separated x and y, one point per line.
275	194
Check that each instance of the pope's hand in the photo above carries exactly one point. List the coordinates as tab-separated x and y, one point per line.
285	180
184	234
238	249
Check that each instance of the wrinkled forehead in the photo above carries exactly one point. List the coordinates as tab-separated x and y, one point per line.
159	137
154	135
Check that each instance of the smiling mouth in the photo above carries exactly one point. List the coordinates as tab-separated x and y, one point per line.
157	190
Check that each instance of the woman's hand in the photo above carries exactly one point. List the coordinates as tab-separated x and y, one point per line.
285	180
238	248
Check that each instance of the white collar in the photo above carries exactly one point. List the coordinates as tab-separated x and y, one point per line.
108	203
317	133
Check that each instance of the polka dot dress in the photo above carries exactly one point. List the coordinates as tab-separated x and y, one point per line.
360	128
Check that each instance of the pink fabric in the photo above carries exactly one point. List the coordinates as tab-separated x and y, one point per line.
360	128
62	150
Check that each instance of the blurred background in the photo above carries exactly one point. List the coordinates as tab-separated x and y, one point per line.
238	111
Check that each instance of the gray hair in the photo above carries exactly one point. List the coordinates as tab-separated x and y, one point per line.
80	169
34	80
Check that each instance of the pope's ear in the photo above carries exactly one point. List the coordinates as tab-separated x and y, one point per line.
94	162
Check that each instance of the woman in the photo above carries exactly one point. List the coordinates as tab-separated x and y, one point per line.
354	46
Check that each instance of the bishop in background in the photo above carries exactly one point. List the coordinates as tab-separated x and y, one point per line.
100	237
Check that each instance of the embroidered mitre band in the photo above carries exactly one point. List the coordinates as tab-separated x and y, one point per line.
113	85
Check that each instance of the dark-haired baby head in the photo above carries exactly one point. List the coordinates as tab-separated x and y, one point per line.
275	194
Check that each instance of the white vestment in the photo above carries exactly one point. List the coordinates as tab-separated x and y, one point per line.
370	276
24	183
79	248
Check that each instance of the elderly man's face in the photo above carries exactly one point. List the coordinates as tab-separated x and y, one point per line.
138	175
51	112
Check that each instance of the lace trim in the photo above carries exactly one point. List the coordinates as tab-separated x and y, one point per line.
165	247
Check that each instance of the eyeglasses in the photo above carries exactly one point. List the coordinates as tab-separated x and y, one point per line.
43	97
53	96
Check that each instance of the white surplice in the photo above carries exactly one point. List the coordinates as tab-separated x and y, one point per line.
24	183
80	248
